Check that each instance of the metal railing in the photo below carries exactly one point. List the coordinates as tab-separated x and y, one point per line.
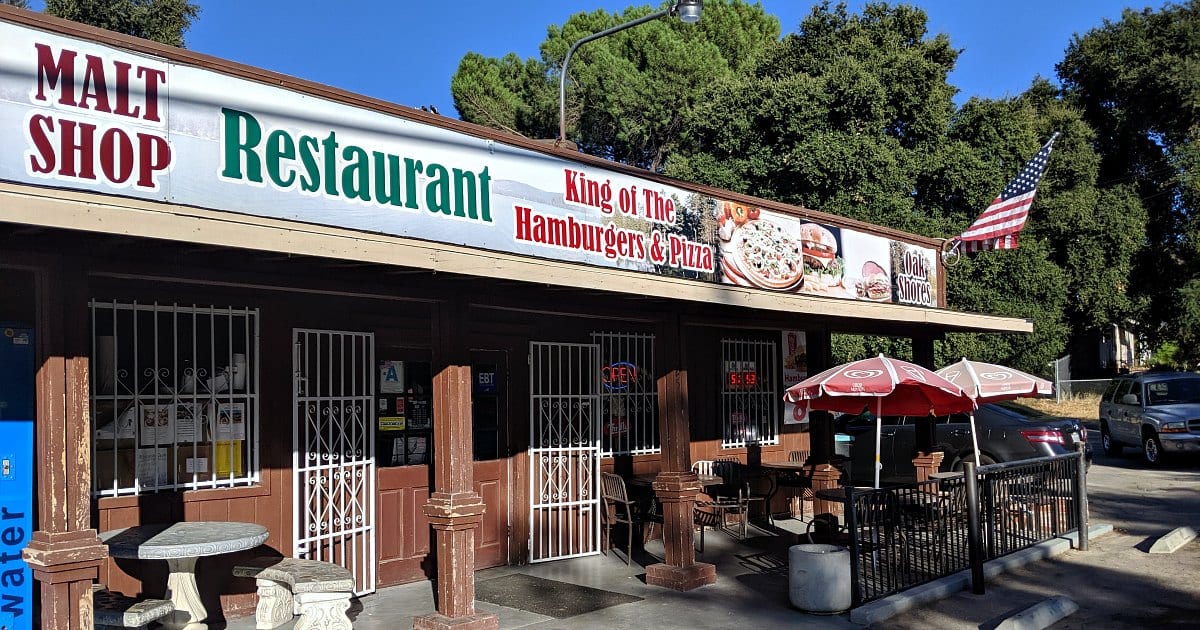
904	536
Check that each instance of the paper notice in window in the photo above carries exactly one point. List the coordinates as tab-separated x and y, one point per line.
152	467
157	425
231	421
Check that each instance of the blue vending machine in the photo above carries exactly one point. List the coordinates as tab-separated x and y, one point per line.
16	474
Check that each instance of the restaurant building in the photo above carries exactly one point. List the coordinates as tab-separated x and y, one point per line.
403	343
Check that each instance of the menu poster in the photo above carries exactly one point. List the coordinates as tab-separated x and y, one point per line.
157	425
152	466
398	451
185	423
417	449
418	416
795	369
231	421
391	377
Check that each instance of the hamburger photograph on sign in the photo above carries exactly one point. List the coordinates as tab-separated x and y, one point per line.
824	268
868	266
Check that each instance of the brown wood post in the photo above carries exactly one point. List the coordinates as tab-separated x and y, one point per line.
676	485
454	509
925	459
64	553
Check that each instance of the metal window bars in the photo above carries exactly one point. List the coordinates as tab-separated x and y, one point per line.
628	394
174	397
750	399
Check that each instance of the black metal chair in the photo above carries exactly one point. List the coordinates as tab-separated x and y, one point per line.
619	509
800	482
735	492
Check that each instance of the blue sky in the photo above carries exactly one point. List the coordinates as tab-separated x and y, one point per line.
405	52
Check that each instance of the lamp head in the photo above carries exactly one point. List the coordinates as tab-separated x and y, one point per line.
688	11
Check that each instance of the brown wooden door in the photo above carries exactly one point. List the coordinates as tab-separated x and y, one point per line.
403	530
490	415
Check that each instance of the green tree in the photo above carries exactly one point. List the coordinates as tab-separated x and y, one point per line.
163	21
1136	82
853	114
637	84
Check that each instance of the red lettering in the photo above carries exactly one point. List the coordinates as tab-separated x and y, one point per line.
123	90
69	145
94	86
153	79
39	126
154	157
116	156
58	73
524	230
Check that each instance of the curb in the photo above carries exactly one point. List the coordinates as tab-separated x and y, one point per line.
1173	540
1040	615
941	588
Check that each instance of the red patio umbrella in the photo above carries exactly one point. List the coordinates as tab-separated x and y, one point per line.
988	382
897	388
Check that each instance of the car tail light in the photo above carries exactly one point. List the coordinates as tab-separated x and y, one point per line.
1046	436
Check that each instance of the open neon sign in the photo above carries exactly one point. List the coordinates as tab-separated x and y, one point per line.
618	376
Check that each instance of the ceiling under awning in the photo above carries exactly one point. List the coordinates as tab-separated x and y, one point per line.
104	214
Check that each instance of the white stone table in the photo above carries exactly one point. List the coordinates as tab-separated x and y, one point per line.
181	544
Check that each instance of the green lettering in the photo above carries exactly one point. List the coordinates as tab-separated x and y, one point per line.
412	168
387	179
356	175
280	146
311	180
329	146
437	191
464	200
236	145
485	195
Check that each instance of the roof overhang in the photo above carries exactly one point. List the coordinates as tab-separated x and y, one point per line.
89	212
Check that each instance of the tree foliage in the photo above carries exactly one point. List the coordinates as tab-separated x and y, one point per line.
853	114
1136	82
163	21
636	83
20	4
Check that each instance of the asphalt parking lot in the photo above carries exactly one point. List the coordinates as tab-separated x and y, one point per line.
1116	583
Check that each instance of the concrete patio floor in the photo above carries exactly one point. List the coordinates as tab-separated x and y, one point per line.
751	591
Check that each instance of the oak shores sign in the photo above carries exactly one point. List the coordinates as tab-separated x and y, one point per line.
107	120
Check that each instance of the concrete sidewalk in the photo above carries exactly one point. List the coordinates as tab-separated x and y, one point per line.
1116	584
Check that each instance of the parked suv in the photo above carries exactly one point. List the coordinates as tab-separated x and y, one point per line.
1007	432
1158	412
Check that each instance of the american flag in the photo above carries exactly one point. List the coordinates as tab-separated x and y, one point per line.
999	224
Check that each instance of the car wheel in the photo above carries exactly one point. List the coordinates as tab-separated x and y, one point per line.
1111	448
984	460
1152	448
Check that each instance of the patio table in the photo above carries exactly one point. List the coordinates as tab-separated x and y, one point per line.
181	544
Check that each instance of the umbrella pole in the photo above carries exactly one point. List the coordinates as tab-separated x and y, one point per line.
974	439
878	436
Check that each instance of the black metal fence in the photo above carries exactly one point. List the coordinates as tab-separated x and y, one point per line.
905	536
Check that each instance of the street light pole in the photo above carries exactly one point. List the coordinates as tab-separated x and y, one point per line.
688	12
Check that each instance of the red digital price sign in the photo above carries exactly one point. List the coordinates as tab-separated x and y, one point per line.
741	379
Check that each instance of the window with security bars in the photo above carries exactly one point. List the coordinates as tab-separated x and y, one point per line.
174	397
750	398
628	394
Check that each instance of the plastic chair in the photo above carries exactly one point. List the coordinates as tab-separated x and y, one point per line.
619	509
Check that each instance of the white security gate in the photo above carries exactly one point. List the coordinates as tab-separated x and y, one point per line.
333	450
564	451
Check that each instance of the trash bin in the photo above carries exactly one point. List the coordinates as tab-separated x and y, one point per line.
819	578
